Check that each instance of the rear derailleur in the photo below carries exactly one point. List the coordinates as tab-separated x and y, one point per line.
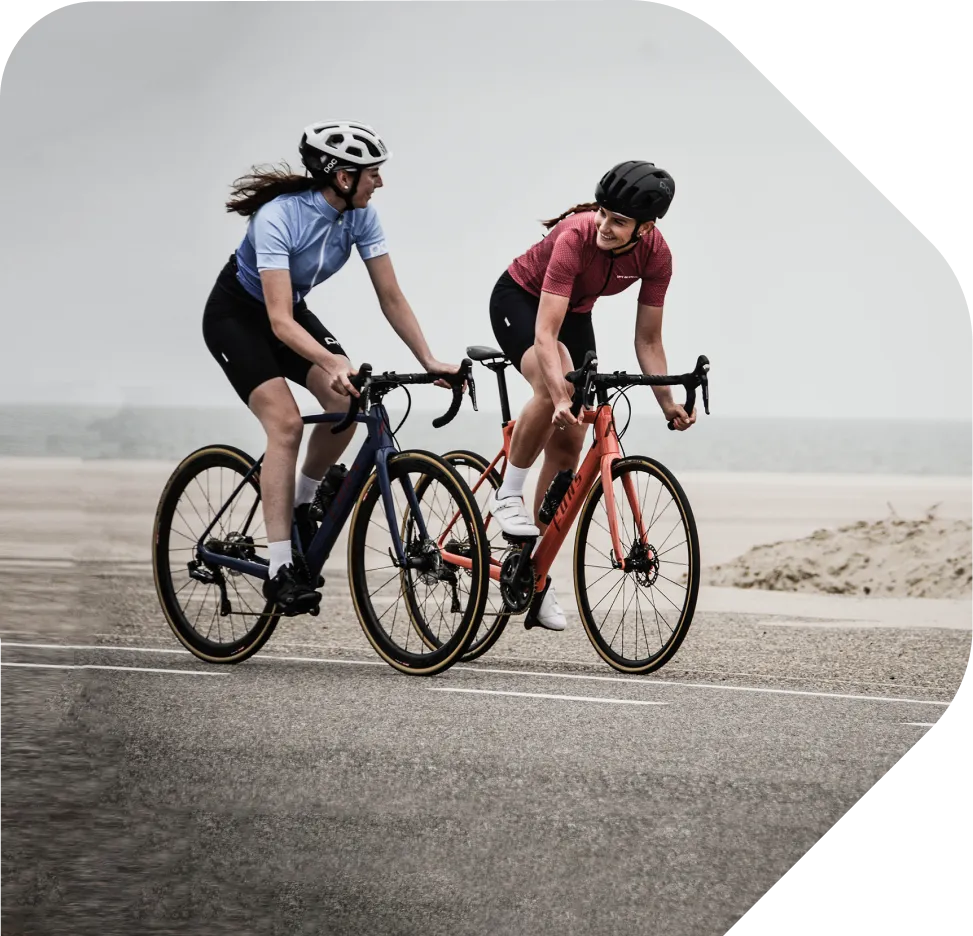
236	546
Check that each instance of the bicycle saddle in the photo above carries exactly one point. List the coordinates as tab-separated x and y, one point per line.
484	353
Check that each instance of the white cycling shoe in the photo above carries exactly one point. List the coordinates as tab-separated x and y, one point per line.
510	514
550	614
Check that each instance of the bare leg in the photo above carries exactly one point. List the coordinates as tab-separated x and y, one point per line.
324	448
562	451
534	427
531	436
274	405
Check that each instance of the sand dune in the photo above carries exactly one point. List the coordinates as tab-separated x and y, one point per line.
894	557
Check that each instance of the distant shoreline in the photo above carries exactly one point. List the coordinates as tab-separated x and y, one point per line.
717	444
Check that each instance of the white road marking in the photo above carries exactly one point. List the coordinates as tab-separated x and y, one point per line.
544	695
919	724
267	657
127	669
37	646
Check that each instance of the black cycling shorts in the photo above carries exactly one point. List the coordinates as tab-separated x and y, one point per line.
236	328
513	313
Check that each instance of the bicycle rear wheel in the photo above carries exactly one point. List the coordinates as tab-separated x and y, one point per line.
192	497
419	619
637	618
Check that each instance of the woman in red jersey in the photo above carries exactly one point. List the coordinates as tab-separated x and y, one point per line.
541	315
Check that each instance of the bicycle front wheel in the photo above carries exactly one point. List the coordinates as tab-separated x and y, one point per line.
419	618
636	612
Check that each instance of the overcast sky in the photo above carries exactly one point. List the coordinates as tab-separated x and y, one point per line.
123	124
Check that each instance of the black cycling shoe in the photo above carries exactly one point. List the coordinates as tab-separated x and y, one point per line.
289	590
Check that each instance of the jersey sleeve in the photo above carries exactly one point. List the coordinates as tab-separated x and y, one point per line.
371	241
272	238
656	276
565	263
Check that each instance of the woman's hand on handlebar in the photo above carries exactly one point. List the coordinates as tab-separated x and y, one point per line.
563	417
677	415
432	366
341	380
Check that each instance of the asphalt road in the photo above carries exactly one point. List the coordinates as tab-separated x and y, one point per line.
314	790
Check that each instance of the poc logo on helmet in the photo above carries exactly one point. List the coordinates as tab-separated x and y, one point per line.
664	186
331	164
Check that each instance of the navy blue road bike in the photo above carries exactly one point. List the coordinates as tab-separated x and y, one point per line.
418	609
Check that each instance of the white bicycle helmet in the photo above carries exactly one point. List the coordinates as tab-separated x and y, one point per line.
341	144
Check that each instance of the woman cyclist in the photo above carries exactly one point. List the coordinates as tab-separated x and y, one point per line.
258	327
541	315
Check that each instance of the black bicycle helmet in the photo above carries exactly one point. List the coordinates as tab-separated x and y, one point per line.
636	189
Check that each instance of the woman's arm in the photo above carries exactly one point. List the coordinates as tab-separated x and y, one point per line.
652	360
550	317
279	299
400	316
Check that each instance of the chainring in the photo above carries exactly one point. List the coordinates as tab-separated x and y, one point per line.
517	593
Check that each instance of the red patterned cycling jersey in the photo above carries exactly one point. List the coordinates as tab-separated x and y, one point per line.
567	262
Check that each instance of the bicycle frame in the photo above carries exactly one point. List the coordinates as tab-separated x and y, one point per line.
373	454
605	450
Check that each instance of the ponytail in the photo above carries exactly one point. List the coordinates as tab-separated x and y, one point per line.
263	184
577	209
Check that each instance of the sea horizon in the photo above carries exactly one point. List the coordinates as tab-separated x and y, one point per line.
844	445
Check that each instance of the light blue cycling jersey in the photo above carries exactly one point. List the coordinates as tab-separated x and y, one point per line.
304	234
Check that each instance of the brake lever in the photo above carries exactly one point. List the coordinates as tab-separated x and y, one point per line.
580	394
457	380
360	382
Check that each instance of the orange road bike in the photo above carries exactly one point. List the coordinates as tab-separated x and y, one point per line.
636	550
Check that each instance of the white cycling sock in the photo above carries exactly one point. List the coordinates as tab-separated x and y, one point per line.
513	481
280	555
305	489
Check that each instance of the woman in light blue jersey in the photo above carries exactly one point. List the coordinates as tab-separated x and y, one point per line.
258	327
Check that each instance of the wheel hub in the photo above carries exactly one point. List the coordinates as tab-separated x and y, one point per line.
429	561
643	562
236	546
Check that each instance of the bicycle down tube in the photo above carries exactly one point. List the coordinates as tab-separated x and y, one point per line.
602	454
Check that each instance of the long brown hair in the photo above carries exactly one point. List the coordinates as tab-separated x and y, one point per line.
265	183
577	209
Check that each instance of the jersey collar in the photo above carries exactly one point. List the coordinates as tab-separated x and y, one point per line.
326	210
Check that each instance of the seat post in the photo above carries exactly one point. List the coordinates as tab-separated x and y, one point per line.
504	399
496	361
498	369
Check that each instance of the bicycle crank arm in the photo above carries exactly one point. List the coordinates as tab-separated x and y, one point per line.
530	620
